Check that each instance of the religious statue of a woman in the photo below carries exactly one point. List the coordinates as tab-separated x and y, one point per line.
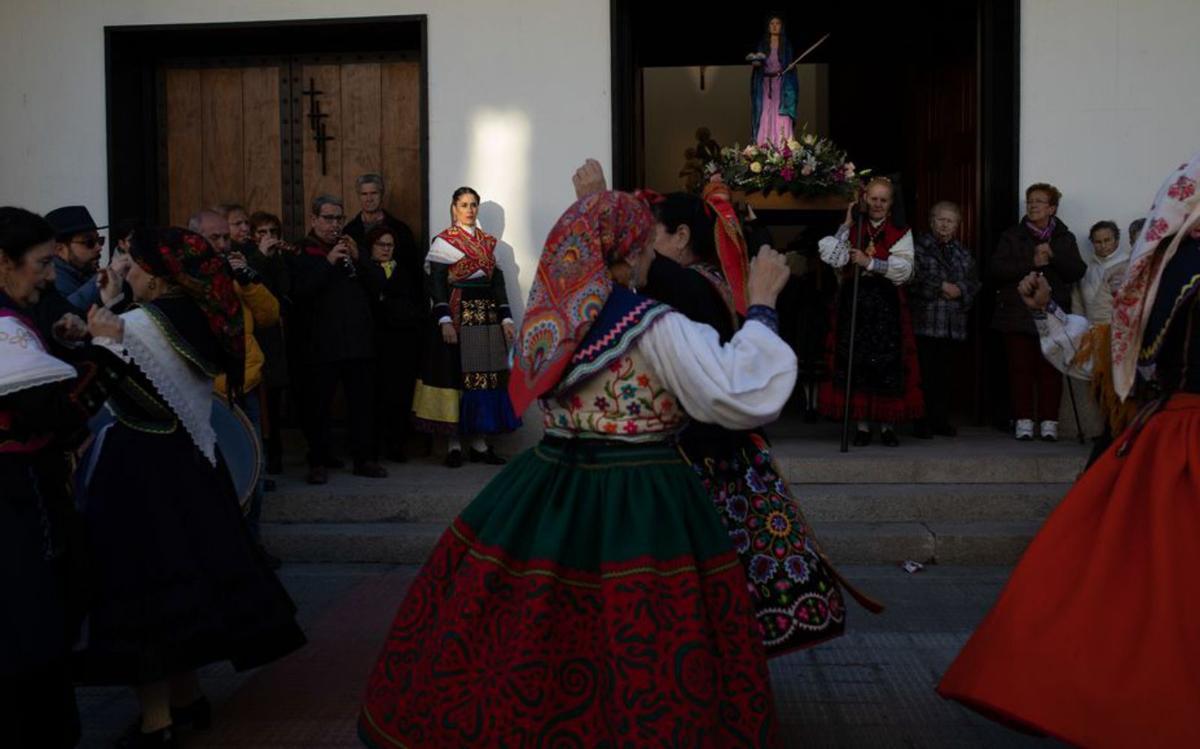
773	91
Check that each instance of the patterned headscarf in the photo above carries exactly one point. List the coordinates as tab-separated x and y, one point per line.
571	286
187	260
1175	210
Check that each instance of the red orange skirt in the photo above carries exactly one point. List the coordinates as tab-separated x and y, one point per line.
1096	638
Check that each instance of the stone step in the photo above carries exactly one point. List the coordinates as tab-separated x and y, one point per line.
871	466
358	500
993	542
927	502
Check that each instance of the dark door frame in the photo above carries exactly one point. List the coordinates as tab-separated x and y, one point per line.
998	148
133	56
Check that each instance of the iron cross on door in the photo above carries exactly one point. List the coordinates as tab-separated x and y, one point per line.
315	117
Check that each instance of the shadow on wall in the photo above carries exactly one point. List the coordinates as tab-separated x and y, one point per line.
491	218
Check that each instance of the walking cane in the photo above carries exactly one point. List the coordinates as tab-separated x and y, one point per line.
850	348
1075	409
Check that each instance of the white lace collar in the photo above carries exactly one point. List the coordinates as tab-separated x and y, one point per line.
186	391
24	362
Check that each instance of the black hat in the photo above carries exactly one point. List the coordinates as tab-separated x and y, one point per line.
70	220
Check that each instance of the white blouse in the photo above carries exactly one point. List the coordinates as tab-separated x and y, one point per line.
742	384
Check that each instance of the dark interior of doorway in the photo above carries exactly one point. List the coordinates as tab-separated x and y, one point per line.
925	91
134	55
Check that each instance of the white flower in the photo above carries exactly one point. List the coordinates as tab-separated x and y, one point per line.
809	139
793	145
755	167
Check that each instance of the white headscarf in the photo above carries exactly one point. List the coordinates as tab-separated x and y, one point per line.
1176	209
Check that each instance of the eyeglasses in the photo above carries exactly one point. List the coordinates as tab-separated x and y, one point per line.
332	218
267	232
1037	202
91	242
385	245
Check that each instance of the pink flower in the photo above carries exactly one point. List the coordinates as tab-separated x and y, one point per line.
787	152
631	428
787	173
1157	230
1183	189
806	170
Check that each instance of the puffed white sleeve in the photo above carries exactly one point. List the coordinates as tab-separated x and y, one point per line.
1061	336
898	268
739	385
835	250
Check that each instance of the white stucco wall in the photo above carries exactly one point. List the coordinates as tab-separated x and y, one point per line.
514	105
1109	103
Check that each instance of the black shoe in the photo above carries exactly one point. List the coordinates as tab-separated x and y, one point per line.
888	438
198	715
945	430
336	464
487	456
273	562
370	469
922	431
134	738
862	438
454	459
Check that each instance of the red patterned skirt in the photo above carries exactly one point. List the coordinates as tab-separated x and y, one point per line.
588	596
1096	638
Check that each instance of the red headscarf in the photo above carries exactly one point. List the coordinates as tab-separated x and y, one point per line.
571	286
731	245
187	260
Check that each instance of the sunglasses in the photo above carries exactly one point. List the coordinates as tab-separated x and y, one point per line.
91	242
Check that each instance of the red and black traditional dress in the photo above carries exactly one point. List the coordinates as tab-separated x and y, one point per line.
797	599
1094	638
589	596
462	389
886	375
44	407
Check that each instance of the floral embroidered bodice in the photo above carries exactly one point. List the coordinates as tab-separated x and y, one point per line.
625	401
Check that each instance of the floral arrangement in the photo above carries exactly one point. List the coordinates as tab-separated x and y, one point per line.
804	165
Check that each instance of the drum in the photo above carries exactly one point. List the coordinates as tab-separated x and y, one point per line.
236	437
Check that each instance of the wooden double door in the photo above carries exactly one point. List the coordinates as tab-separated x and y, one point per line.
273	134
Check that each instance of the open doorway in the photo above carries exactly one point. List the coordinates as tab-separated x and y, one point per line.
926	93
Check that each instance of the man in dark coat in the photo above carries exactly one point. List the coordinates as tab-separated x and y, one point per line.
328	292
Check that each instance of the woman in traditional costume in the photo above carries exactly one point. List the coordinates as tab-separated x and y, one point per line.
45	403
886	386
462	390
773	92
589	595
179	584
1093	640
797	598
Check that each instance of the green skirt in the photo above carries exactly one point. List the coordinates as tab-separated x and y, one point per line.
588	596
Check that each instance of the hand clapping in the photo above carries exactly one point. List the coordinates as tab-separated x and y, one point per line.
769	273
589	179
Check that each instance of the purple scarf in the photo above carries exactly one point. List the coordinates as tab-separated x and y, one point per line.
1041	235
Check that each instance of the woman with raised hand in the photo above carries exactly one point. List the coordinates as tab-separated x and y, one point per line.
179	582
1093	640
589	594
